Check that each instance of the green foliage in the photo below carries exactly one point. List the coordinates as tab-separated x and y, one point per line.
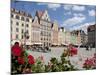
54	60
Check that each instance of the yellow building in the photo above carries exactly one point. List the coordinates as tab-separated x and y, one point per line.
67	38
62	36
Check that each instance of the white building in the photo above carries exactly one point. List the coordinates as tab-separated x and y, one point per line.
20	27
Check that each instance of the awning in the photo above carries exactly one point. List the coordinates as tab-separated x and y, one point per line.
37	43
54	44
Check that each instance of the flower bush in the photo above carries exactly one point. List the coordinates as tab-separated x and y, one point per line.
28	64
22	62
16	50
71	52
90	63
31	59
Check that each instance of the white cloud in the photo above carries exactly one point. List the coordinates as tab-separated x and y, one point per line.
78	8
74	7
54	6
78	15
41	3
83	26
68	13
73	21
91	12
67	7
51	5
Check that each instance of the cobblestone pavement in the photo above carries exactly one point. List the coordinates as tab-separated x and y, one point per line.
77	60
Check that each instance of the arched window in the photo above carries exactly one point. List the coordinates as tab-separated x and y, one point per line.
27	19
17	17
89	29
12	15
22	18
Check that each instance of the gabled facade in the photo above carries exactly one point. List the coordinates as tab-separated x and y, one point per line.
43	28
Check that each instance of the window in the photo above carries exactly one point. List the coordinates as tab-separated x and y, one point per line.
11	21
22	31
49	34
17	17
27	31
11	28
41	38
17	30
16	36
44	43
12	15
49	44
27	25
27	19
22	18
22	37
89	29
17	23
22	24
41	33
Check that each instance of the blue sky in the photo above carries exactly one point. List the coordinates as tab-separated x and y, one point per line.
67	15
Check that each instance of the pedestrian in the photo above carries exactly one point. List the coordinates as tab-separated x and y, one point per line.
90	46
87	48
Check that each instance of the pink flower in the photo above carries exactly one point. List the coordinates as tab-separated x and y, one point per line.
41	58
90	63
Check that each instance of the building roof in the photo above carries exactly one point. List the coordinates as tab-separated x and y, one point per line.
92	27
13	10
39	13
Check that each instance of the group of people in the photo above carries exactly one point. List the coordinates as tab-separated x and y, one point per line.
89	47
